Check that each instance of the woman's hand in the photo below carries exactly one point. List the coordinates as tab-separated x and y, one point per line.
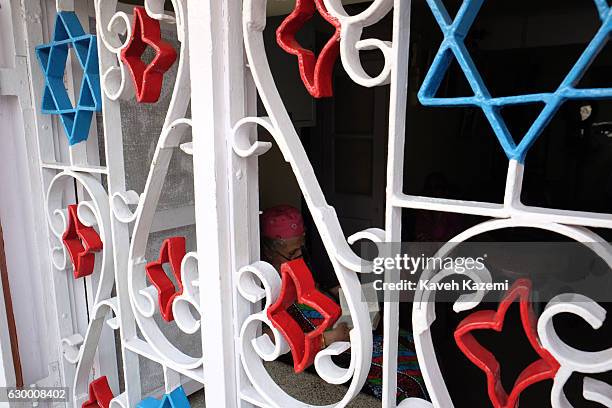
338	333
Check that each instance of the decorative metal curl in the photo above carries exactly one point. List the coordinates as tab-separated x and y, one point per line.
88	350
190	298
345	262
110	26
351	43
571	359
143	298
423	314
92	212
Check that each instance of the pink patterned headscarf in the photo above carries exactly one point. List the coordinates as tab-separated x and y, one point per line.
282	222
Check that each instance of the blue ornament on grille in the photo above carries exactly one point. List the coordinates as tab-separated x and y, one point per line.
453	46
69	33
175	399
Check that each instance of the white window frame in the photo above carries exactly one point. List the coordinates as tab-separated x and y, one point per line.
232	288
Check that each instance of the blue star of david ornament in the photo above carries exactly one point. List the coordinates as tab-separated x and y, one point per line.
68	33
176	399
453	46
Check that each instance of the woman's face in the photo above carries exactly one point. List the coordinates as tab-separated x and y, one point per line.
279	251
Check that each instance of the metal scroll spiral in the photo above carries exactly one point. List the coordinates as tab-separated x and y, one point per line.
424	315
257	348
93	212
116	84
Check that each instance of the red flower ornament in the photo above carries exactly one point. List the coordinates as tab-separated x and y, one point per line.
298	286
542	369
82	243
147	79
172	252
100	394
316	72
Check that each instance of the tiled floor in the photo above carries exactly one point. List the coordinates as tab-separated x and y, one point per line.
305	387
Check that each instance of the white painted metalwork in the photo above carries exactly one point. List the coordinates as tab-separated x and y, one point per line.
255	347
65	300
137	301
225	283
103	203
573	360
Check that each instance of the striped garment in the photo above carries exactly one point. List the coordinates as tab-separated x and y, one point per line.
409	379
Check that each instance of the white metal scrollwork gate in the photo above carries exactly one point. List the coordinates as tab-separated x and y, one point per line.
226	290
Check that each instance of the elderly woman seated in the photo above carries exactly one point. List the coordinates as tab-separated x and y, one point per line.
283	240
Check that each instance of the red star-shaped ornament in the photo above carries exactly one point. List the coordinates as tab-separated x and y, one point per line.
172	252
100	394
147	79
316	72
82	243
298	286
540	370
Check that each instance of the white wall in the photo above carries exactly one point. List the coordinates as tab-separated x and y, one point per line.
21	208
18	242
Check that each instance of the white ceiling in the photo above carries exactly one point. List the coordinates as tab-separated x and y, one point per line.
281	7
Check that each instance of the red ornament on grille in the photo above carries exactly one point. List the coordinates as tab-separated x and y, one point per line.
316	72
542	369
298	286
100	394
147	78
82	243
171	252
